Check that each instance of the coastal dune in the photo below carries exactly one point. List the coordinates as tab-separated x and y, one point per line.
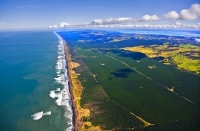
76	92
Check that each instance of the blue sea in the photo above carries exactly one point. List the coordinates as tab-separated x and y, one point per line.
33	82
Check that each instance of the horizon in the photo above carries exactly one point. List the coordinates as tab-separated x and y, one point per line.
128	14
59	29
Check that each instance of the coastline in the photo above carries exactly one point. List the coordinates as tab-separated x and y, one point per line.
75	89
69	69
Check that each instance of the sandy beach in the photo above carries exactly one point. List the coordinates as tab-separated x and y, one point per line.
76	91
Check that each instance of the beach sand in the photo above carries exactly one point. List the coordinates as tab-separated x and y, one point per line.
76	92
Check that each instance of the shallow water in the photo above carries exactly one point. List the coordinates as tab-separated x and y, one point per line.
27	73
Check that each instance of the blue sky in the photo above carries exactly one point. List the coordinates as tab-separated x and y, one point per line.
42	13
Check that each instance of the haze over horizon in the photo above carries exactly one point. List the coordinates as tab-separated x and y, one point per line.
127	13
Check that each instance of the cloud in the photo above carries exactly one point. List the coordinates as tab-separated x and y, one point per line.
149	18
186	14
54	26
176	25
64	24
122	20
111	21
172	15
61	25
195	8
193	12
97	22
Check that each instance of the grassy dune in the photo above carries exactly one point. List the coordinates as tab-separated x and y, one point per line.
76	92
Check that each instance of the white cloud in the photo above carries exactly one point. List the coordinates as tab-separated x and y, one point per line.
61	25
186	14
111	21
54	26
172	15
64	24
122	20
154	17
195	8
178	24
89	25
149	18
97	22
192	13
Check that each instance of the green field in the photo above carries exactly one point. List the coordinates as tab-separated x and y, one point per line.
184	56
117	83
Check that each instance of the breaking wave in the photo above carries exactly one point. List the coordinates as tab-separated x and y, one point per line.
62	96
39	115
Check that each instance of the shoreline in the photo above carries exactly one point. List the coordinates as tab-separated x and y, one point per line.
75	89
69	68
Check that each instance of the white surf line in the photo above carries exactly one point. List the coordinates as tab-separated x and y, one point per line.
144	75
63	95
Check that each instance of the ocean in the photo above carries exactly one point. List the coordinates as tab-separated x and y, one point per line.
34	83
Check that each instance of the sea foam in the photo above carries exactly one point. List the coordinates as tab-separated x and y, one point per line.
39	115
62	96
